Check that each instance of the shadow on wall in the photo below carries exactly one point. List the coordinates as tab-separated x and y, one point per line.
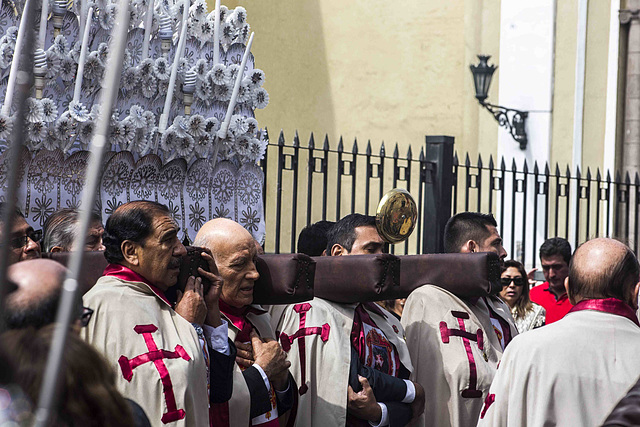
289	47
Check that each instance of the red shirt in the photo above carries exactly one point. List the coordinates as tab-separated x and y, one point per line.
556	309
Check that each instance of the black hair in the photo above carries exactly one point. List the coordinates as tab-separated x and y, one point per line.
343	232
467	226
556	246
16	210
132	221
312	240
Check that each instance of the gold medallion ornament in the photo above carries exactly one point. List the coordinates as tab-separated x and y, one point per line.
396	216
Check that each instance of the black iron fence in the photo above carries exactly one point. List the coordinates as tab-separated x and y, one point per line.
326	180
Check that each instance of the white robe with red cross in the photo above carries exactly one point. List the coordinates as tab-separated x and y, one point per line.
321	330
569	373
455	346
156	354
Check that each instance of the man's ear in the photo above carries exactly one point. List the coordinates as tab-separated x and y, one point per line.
636	292
566	288
470	247
56	249
130	252
338	250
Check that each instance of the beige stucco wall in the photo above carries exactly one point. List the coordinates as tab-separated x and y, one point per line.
376	71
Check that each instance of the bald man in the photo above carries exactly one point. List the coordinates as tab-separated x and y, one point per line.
574	371
35	301
262	386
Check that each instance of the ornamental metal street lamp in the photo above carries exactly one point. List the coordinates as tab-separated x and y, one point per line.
513	120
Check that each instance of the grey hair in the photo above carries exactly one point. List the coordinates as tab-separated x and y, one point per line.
60	229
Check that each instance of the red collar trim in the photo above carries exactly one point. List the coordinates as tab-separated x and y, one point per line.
124	273
607	305
237	316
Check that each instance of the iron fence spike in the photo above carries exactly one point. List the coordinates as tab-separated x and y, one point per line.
325	146
312	142
281	138
340	145
383	151
467	161
368	150
409	154
354	150
491	165
479	161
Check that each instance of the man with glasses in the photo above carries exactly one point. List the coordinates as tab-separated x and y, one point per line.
24	241
455	342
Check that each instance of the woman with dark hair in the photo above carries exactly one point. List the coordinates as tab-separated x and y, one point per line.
87	395
515	292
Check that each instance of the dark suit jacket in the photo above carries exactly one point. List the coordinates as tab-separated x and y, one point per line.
260	399
627	411
386	388
221	374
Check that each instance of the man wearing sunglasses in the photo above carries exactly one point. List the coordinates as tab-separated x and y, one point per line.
24	241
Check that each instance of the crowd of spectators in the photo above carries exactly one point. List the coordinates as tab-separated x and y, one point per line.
141	354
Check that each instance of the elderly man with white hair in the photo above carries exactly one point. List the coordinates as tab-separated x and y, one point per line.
262	386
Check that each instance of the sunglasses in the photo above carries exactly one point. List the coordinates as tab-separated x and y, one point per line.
85	317
22	241
506	281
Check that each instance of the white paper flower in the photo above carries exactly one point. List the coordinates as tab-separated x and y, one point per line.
6	55
6	126
227	33
63	127
93	67
103	52
260	98
37	131
162	69
128	130
200	68
59	46
78	111
257	149
163	87
256	77
107	16
203	90
203	145
74	53
218	75
242	146
85	132
224	11
34	111
225	150
53	64
239	16
180	125
51	142
150	119
238	125
136	114
211	126
184	146
116	134
149	86
49	110
232	72
206	29
68	68
195	125
12	35
222	92
243	34
129	79
169	140
252	125
199	9
146	67
245	93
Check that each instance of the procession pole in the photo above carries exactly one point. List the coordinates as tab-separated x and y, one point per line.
22	73
108	97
